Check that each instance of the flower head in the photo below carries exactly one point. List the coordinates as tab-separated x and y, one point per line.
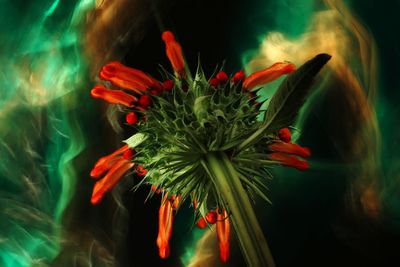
184	122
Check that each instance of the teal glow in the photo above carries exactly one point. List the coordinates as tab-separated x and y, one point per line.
41	84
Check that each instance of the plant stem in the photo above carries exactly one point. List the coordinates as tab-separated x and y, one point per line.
251	238
252	138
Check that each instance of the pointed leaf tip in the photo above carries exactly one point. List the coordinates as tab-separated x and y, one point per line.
292	93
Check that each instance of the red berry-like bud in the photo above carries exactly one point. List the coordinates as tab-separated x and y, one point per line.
222	77
238	77
214	82
284	135
140	171
154	92
144	101
128	154
131	118
168	85
211	217
201	223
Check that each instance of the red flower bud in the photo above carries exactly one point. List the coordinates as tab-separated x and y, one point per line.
201	223
214	82
284	135
144	101
168	85
141	171
222	77
211	217
238	77
131	118
155	189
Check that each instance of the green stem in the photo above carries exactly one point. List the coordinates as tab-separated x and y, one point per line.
251	238
252	138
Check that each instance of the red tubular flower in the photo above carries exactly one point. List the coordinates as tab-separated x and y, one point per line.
110	180
176	201
285	135
165	221
128	154
290	148
174	52
113	96
129	78
105	163
290	161
223	234
267	75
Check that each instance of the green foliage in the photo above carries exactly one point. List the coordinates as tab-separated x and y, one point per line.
195	119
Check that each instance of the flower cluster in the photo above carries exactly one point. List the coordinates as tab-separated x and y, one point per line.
179	121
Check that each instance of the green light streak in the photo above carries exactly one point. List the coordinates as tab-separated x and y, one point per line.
40	134
52	8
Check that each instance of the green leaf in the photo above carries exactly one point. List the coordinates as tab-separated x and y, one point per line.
291	94
200	108
135	140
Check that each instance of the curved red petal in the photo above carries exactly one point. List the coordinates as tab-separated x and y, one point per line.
110	180
106	162
290	161
223	234
113	96
174	52
267	75
129	78
290	148
165	222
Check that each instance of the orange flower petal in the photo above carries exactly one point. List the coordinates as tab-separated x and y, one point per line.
105	163
110	180
267	75
290	161
176	202
113	96
129	78
223	234
290	148
174	52
165	221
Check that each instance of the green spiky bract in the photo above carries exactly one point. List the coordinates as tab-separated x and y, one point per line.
205	143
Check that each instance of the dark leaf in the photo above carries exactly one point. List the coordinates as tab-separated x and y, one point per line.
291	94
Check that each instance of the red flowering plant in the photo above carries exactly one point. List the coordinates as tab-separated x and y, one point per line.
199	138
